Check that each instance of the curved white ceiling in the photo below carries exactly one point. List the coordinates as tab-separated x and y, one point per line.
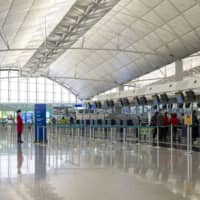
156	31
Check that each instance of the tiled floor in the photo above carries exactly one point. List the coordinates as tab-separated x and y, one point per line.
73	169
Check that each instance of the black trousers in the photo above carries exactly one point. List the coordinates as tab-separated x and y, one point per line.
165	133
19	137
154	133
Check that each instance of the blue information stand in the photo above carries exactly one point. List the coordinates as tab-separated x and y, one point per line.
40	123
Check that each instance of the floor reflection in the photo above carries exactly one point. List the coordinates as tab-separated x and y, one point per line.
40	162
19	158
66	164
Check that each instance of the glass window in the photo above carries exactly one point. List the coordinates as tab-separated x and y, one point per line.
14	84
4	96
40	85
13	96
48	81
40	97
57	97
23	96
49	97
23	84
23	90
49	88
65	95
4	74
13	74
57	93
32	85
4	84
32	97
72	98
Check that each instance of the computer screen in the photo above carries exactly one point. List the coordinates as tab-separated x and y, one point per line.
180	99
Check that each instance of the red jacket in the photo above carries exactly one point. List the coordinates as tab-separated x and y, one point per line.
174	121
19	124
166	121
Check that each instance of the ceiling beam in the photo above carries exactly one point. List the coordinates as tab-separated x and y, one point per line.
73	23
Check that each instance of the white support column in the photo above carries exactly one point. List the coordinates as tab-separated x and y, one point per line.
179	70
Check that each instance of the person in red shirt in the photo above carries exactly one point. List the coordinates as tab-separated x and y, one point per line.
19	126
174	122
166	123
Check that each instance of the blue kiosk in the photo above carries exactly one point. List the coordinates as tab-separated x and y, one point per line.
40	123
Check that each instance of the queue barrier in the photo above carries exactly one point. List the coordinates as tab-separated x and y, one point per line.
179	138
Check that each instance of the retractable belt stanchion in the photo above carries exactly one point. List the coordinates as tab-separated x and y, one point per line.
158	137
43	136
72	131
111	134
38	130
93	131
189	140
138	134
149	134
90	131
171	133
78	132
124	136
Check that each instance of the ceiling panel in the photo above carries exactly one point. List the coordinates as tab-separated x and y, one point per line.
132	38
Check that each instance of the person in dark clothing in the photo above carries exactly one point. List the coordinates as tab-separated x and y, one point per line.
154	123
174	122
160	124
71	120
195	125
138	129
19	126
166	126
53	121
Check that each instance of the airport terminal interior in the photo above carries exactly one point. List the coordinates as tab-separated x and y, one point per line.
100	99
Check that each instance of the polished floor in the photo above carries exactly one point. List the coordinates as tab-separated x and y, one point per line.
81	169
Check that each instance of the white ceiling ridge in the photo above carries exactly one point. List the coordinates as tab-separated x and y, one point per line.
71	36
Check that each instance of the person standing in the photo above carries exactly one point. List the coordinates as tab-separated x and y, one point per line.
154	124
160	124
19	127
63	121
166	126
195	125
174	122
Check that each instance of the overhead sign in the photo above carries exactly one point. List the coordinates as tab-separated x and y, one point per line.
40	123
